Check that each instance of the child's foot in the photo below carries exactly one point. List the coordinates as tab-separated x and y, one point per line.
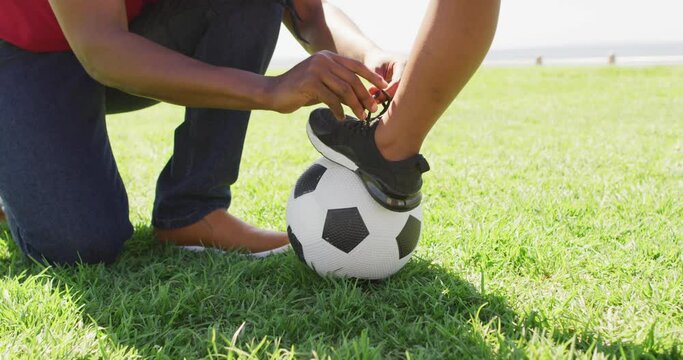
221	230
351	143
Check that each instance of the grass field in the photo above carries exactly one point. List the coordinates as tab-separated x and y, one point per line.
553	229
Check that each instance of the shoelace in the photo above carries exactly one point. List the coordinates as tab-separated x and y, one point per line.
385	106
361	127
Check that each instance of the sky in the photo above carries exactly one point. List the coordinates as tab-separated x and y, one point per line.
523	23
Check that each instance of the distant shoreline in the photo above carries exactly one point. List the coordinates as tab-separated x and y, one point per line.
624	54
591	61
571	55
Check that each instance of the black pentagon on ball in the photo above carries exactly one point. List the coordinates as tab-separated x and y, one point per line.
309	180
296	245
344	228
407	239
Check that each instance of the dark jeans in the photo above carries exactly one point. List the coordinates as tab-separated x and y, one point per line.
63	195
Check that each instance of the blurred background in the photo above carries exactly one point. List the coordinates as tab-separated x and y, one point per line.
558	31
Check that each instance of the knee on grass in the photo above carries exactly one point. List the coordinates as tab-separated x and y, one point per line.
92	243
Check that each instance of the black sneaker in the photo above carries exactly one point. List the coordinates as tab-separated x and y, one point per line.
351	143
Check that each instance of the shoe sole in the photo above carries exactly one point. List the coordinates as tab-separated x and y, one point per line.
374	188
258	255
328	152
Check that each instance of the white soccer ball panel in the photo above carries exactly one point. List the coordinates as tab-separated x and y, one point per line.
306	217
341	188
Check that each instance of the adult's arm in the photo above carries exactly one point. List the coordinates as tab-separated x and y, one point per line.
323	26
97	32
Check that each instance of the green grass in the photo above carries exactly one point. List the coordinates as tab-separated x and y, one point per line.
554	229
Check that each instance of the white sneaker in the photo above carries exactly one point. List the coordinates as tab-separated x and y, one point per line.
258	255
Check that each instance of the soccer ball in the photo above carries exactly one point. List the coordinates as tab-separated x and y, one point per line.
337	229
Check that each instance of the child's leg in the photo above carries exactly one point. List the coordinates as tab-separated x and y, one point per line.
452	42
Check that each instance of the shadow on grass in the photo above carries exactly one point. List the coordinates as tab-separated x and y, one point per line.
166	302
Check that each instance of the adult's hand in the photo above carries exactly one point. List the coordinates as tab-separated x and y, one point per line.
390	67
327	78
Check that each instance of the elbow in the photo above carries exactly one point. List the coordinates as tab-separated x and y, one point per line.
99	71
97	61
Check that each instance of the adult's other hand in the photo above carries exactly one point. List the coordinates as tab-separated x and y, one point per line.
328	78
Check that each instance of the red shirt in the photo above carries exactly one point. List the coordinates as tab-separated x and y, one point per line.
31	24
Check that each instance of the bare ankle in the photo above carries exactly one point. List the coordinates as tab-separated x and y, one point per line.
395	146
